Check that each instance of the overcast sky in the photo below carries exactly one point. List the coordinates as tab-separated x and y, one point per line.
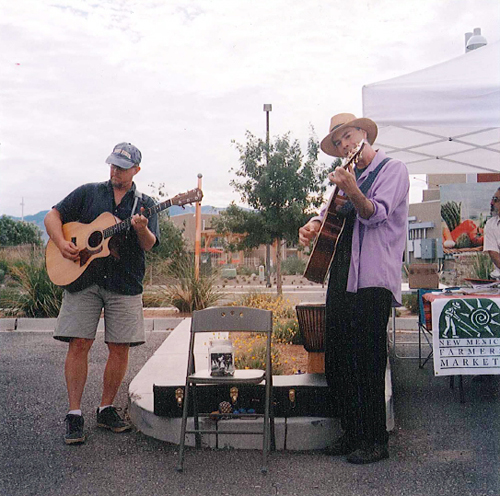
182	79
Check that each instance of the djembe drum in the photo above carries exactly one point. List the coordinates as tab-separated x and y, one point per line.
311	318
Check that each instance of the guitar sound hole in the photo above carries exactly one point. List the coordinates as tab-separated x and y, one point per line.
95	239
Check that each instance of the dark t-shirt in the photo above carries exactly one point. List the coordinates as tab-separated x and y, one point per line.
339	271
125	274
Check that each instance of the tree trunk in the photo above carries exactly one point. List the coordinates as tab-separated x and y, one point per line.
279	285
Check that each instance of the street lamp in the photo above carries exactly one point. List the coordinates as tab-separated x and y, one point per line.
267	108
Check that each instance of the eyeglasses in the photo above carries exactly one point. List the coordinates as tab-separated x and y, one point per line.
495	199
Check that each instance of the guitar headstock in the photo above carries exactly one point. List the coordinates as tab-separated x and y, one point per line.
191	196
354	155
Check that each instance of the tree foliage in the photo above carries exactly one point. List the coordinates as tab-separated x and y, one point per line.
282	191
172	243
13	233
281	185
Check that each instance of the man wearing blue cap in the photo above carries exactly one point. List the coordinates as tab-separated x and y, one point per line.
112	283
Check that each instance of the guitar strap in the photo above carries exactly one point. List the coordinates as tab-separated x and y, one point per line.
137	195
348	206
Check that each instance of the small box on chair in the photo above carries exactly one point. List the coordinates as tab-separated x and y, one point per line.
423	276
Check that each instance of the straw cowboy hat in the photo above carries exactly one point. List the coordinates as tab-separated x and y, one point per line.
338	123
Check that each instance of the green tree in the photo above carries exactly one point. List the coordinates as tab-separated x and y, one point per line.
172	245
13	233
282	187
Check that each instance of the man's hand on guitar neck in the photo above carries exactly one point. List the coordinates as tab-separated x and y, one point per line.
140	224
308	232
346	181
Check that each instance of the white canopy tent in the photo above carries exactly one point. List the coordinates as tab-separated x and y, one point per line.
442	119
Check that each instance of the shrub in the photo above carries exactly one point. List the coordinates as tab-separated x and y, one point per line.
287	332
293	266
410	301
153	299
38	296
188	293
281	308
243	270
250	353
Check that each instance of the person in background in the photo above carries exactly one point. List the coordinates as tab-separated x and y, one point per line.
113	283
491	243
364	283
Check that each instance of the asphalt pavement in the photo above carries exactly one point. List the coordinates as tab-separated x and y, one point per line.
439	447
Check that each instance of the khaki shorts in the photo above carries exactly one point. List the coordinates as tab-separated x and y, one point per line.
80	313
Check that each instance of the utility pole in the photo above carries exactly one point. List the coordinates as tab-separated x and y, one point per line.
197	242
267	108
22	209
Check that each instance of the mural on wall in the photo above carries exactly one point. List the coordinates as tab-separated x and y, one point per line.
465	208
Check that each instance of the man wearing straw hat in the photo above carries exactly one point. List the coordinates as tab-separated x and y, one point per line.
364	283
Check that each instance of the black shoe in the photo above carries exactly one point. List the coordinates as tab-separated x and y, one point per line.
369	454
74	429
110	419
342	446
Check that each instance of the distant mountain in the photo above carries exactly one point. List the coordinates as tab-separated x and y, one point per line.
173	211
36	219
188	209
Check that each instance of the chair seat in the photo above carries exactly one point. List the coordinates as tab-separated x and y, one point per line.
253	376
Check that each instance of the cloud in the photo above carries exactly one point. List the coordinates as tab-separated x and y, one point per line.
182	79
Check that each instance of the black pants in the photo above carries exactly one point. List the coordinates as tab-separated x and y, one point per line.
356	359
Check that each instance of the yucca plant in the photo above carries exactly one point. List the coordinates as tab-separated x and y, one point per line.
38	296
187	292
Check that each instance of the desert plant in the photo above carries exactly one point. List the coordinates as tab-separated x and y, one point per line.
410	301
244	270
293	266
38	296
187	292
250	353
287	332
281	308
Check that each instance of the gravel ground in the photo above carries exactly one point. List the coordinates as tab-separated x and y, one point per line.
439	447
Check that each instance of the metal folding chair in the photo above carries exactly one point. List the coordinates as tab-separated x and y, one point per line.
229	319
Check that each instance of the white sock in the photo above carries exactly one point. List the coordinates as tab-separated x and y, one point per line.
101	408
75	412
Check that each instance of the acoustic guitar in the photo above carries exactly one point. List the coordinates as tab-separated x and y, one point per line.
325	244
93	239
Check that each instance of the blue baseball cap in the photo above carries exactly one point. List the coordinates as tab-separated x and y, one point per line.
125	155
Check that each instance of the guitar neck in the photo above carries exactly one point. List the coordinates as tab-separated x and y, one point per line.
127	223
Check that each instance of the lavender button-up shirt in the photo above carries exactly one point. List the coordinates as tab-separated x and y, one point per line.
378	242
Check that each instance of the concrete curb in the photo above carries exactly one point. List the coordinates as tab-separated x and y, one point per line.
24	324
151	324
167	367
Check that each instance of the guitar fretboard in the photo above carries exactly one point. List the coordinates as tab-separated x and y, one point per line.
126	224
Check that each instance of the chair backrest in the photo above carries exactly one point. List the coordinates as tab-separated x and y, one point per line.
231	319
227	319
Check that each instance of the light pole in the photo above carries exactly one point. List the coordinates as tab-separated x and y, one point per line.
197	241
267	108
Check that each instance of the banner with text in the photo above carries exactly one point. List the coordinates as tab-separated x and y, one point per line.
466	335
